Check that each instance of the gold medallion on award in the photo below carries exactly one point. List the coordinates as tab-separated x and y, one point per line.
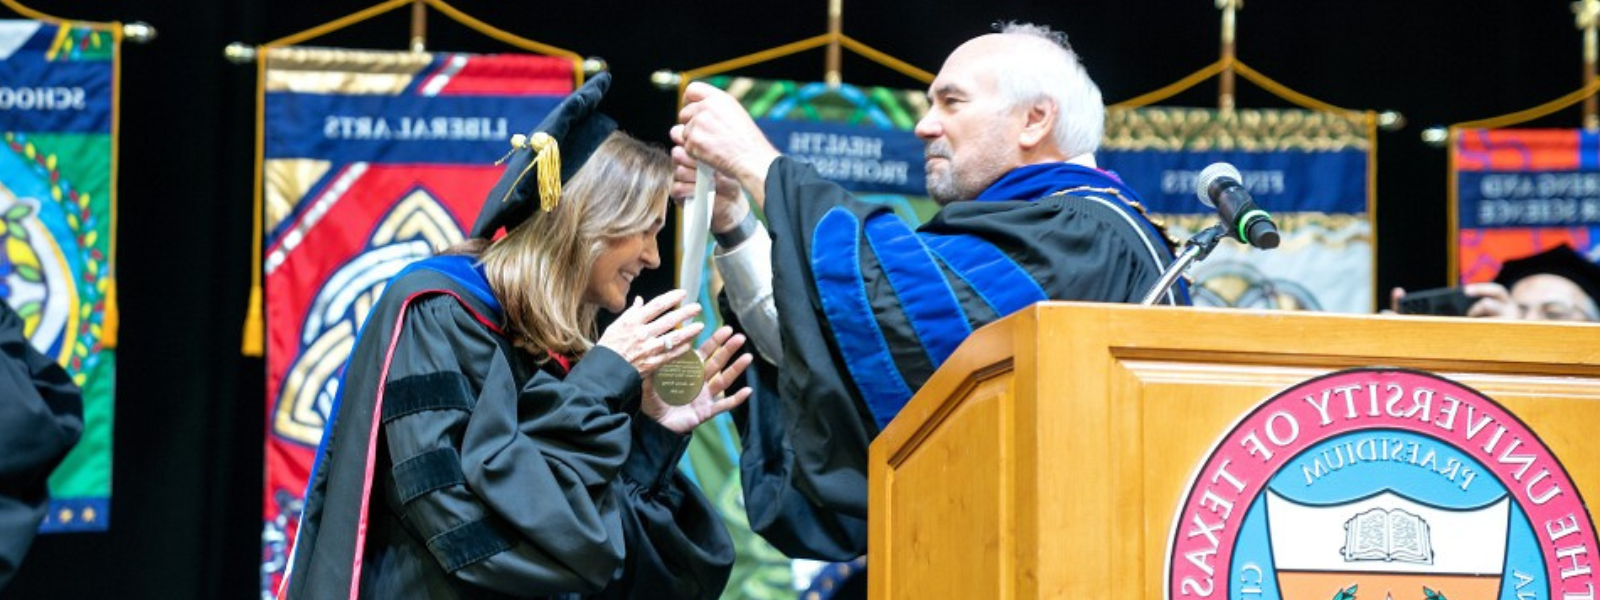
680	379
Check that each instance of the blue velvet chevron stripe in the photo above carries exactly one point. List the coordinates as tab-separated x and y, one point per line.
911	265
998	280
836	266
924	295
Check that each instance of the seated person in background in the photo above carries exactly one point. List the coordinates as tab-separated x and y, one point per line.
864	308
41	418
1555	285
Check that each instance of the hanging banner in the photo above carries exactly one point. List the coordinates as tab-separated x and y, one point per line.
57	180
1518	192
371	160
1313	171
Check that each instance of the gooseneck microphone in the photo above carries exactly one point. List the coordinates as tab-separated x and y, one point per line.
1219	187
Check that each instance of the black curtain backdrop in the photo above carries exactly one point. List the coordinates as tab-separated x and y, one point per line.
190	417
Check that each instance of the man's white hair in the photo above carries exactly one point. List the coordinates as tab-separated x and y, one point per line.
1052	70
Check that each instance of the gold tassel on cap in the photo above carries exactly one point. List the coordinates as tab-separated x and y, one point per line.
548	157
547	160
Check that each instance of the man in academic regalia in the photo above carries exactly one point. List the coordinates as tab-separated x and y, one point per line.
855	310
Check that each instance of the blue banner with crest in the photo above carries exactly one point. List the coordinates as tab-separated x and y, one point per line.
1311	170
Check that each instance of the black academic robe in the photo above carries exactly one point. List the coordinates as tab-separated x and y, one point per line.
807	428
41	418
494	475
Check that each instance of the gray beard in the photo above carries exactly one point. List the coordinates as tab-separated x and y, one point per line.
946	186
942	187
949	185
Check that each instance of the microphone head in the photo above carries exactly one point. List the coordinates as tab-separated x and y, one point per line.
1210	175
1262	233
1268	240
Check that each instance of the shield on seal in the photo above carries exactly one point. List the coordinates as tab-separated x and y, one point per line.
1388	547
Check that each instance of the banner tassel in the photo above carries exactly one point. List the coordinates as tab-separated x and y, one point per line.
110	320
252	345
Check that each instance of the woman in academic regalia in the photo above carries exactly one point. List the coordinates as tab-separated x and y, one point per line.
486	444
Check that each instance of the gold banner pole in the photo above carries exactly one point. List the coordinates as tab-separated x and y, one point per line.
1230	9
832	42
1587	13
419	26
831	75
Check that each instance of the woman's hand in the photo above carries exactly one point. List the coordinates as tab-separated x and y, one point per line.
647	333
719	353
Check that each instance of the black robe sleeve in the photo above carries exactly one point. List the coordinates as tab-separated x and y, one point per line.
804	461
539	489
777	508
677	546
41	418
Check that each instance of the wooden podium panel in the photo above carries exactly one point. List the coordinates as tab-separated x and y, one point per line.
1049	456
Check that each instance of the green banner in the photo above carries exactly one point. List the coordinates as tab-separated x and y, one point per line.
56	184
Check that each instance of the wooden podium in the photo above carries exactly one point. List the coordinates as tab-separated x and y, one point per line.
1049	455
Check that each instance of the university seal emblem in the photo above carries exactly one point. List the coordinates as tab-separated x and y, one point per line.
1381	484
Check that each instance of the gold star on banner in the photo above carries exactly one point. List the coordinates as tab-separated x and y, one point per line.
65	516
89	514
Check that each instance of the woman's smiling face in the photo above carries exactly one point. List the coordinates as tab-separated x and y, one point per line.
619	263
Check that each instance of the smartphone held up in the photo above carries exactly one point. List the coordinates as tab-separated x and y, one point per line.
1448	301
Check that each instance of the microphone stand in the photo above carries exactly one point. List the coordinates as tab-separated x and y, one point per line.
1195	250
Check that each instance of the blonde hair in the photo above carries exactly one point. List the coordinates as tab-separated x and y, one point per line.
540	269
